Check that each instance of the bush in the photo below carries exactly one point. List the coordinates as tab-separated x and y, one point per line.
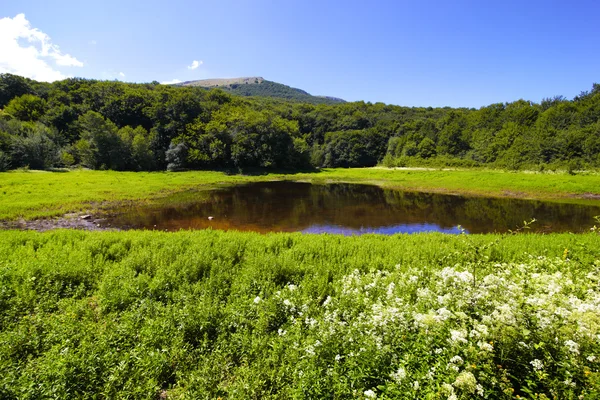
4	161
176	156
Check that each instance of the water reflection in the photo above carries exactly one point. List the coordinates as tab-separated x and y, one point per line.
350	209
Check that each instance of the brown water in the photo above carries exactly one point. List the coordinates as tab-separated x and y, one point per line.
349	209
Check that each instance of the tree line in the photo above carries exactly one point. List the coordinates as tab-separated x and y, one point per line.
145	127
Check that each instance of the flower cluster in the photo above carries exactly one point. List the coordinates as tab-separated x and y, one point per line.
457	332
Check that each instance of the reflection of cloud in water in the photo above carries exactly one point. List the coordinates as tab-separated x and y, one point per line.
385	230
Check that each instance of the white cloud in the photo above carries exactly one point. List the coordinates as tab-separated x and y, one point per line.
172	82
122	75
195	64
30	59
93	42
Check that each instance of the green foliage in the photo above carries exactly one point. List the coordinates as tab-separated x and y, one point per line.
4	161
211	314
35	149
26	108
176	156
353	148
101	145
222	130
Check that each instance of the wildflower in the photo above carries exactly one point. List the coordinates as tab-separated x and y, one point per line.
573	346
479	390
415	385
485	346
447	389
370	394
338	357
310	350
257	300
591	358
458	336
537	364
466	381
457	360
399	375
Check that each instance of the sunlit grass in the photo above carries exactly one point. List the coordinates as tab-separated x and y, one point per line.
210	314
46	194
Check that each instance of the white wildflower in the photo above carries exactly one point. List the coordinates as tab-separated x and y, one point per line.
485	346
257	300
457	360
573	346
399	375
538	365
591	358
415	385
310	350
447	388
479	390
458	336
443	314
370	394
466	381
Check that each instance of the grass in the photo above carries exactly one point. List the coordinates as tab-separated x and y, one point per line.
33	194
210	314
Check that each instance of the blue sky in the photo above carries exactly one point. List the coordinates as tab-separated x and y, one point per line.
426	53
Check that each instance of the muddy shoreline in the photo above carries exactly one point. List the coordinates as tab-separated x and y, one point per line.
85	222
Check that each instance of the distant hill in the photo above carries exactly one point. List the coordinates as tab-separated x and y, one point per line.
257	86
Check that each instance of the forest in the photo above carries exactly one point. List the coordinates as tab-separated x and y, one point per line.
147	127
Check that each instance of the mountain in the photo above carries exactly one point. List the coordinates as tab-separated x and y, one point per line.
257	86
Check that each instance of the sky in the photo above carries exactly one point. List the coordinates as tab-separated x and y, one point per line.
411	53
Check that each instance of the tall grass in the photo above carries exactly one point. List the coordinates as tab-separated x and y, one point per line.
210	314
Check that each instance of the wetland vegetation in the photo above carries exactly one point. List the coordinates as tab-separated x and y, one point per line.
208	314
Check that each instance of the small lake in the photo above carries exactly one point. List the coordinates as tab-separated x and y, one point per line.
348	209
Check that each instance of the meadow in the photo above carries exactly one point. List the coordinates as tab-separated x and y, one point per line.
211	314
38	194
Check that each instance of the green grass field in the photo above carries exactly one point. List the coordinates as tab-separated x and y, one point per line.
211	314
36	194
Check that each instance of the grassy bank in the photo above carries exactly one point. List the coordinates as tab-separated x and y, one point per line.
45	194
210	314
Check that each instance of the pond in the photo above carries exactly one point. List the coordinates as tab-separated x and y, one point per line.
348	209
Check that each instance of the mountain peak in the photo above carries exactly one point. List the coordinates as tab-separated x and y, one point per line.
258	86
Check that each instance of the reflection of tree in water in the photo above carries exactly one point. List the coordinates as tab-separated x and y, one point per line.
288	206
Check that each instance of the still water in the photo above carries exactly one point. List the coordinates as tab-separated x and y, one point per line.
348	209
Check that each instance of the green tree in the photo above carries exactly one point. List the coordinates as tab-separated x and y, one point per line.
26	107
108	148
